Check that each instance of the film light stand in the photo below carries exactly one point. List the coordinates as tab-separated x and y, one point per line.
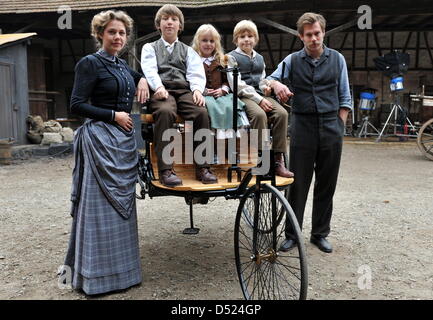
363	131
396	86
367	103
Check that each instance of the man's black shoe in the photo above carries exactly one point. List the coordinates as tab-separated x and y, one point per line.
321	243
287	245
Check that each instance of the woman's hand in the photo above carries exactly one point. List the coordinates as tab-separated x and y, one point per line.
124	120
142	91
198	98
266	105
161	93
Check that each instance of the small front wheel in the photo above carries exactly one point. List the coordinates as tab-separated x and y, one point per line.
265	272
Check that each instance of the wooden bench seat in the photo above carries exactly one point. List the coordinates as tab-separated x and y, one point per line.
187	173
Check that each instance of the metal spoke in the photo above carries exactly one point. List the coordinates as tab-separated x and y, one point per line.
264	272
287	268
293	288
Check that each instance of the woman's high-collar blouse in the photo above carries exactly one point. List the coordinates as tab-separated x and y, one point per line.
103	84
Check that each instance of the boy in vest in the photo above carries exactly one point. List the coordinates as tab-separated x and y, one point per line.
321	101
176	76
251	88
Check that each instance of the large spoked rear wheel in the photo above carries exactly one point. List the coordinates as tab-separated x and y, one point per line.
425	139
265	272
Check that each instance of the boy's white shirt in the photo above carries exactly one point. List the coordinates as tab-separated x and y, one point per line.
245	90
195	74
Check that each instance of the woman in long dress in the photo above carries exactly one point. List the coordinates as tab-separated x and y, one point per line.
103	253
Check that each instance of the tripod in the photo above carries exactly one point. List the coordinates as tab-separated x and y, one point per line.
363	131
395	109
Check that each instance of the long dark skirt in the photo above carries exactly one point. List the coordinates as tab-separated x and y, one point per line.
103	251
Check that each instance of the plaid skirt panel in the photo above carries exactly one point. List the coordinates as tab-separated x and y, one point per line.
103	250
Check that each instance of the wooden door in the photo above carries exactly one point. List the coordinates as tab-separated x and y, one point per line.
8	116
38	102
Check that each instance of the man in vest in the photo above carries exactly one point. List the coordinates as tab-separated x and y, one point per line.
176	75
318	81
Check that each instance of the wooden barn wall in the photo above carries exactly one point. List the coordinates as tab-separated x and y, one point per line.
54	72
16	56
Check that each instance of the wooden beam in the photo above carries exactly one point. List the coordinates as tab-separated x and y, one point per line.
344	41
147	37
342	27
424	22
417	49
375	69
428	46
384	49
292	45
277	26
392	40
72	51
376	39
353	50
407	41
271	56
60	58
132	57
327	41
32	25
225	41
224	17
281	47
381	28
389	20
366	51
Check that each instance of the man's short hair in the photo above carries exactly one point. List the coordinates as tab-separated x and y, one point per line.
169	10
245	25
310	18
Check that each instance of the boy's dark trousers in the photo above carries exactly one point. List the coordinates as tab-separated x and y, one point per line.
164	113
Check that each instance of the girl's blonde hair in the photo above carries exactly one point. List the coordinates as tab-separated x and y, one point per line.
201	31
100	21
241	27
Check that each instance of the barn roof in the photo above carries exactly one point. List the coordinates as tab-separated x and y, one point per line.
35	6
9	38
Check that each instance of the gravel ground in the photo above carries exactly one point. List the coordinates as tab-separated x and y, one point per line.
382	227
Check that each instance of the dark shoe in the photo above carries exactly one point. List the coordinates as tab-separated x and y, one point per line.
287	245
169	179
321	243
280	169
206	176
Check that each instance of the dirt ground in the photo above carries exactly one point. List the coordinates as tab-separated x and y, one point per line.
382	227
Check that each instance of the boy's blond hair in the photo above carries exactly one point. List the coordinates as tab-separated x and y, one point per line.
241	27
169	10
203	30
310	18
